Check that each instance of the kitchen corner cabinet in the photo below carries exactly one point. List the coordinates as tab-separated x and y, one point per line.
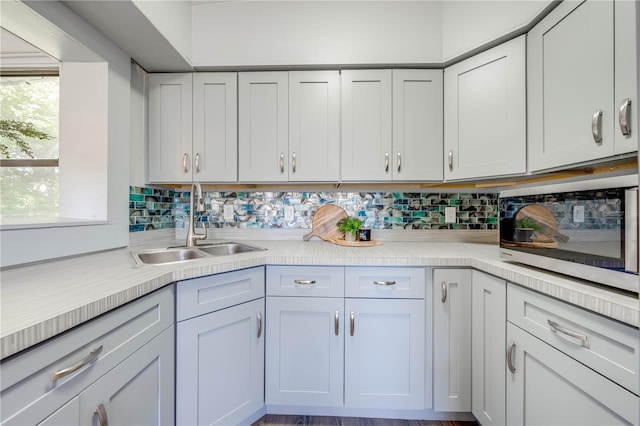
452	339
488	340
376	101
193	127
118	368
581	70
485	127
220	348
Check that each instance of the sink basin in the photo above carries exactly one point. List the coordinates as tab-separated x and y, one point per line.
183	254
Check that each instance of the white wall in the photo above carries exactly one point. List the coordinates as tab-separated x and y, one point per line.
307	33
172	19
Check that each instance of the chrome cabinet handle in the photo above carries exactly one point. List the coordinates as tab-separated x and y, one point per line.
399	157
281	162
336	325
93	355
197	166
384	283
352	323
560	329
185	162
386	162
596	126
293	162
304	282
450	160
102	415
259	319
444	292
624	117
510	351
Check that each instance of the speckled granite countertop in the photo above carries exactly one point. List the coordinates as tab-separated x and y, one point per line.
43	300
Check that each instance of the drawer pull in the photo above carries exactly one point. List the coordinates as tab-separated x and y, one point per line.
560	329
352	321
624	117
337	323
596	126
510	351
259	318
385	283
444	292
93	355
185	160
102	415
305	282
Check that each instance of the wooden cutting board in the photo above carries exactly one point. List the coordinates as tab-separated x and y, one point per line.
325	222
545	219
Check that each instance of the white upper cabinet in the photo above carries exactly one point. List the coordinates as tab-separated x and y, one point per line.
263	140
193	127
417	125
366	125
485	114
581	67
314	126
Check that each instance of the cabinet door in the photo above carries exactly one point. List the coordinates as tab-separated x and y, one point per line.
384	354
570	66
488	340
215	127
366	125
139	391
452	339
547	387
626	74
170	127
220	366
67	415
314	126
263	106
304	353
417	125
485	114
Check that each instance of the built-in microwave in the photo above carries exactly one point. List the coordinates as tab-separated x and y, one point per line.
585	229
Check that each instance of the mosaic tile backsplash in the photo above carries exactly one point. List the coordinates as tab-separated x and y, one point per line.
158	209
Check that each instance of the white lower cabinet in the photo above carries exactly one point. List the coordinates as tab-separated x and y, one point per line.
488	340
452	340
220	354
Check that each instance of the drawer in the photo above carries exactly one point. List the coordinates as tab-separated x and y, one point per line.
397	283
606	346
27	377
203	295
316	281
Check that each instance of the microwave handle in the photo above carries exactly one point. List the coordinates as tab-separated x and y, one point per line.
631	230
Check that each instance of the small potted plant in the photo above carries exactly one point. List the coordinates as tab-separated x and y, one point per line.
350	226
525	229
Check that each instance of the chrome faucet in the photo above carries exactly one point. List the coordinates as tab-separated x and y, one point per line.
192	237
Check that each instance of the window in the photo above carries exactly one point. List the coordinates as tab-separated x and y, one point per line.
29	148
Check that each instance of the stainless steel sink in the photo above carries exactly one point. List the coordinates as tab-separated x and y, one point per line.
183	254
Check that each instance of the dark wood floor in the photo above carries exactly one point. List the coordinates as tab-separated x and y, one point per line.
281	420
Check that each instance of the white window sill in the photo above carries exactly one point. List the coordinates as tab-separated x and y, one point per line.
13	223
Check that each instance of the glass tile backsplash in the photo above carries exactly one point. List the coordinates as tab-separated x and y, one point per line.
162	208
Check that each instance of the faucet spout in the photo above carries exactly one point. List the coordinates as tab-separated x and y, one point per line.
192	236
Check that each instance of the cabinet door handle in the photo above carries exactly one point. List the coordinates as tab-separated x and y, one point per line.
560	329
444	292
336	324
450	155
93	355
386	162
352	323
596	126
304	282
185	163
197	165
510	351
624	117
259	319
399	157
281	163
102	415
384	283
293	162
